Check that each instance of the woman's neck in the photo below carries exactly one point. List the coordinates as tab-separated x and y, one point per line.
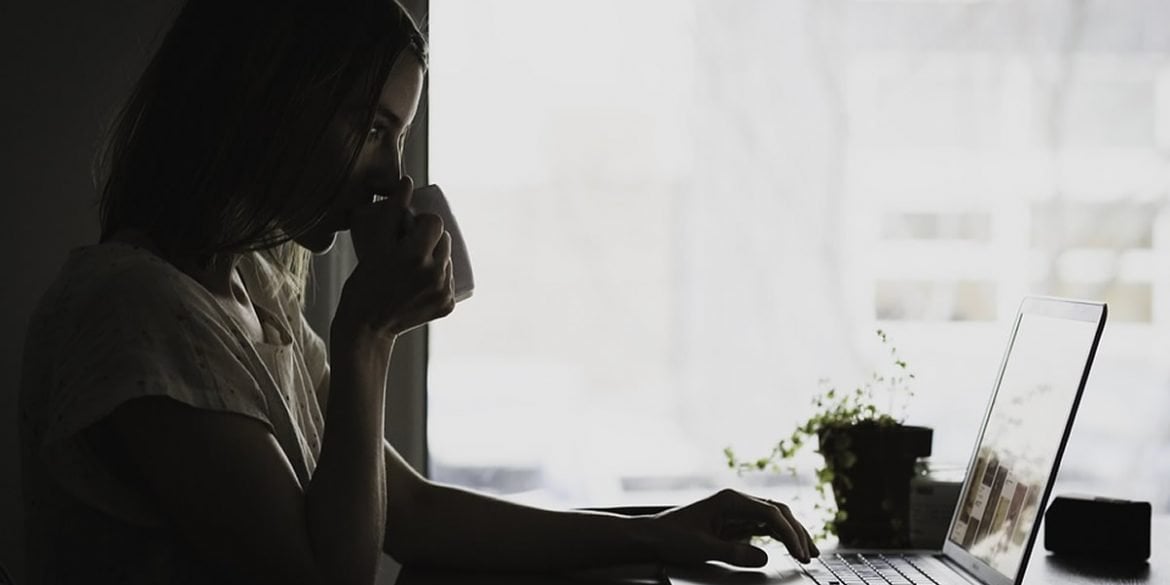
219	277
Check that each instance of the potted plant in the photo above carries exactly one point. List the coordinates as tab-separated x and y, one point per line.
869	457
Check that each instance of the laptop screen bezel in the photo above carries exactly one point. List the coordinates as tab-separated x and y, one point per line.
1049	307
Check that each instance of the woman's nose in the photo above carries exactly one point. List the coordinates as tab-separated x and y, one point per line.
384	173
392	167
386	169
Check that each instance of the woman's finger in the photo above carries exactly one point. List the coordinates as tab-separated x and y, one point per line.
778	525
811	546
802	535
442	253
442	300
449	292
450	282
423	236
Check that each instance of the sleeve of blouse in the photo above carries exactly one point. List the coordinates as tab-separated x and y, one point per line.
132	341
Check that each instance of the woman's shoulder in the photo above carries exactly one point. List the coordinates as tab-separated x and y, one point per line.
121	274
108	286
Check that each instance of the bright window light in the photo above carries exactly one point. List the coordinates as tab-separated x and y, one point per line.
683	214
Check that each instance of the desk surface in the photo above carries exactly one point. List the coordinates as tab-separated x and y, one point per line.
1043	569
1046	569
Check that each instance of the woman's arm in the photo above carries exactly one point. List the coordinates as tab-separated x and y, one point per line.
429	524
224	483
345	500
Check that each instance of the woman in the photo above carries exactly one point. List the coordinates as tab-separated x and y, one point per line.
182	423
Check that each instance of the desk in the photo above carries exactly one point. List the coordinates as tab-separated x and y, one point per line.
1043	569
1046	569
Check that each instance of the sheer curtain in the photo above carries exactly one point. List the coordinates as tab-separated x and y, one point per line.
683	215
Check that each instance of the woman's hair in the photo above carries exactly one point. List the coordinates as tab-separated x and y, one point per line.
219	149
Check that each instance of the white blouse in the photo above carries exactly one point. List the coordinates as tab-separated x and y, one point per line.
119	323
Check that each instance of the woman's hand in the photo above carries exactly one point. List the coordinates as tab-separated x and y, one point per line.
718	528
403	278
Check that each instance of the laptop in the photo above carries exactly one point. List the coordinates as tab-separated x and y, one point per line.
1011	472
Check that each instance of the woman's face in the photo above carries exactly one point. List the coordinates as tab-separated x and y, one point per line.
379	163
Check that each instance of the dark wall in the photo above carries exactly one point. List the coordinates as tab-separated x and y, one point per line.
66	67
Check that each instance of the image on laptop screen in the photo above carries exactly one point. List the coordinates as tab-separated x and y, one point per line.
1040	380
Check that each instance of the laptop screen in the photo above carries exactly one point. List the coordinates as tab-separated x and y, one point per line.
1022	437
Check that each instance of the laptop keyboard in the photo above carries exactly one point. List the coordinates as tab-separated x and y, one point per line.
867	569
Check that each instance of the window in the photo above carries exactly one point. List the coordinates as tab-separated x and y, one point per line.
684	214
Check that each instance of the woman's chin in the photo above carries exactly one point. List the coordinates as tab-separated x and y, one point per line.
317	242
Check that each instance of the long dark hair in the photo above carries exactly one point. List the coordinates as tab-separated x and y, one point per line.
218	150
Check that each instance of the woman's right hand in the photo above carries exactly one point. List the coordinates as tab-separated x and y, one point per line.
403	277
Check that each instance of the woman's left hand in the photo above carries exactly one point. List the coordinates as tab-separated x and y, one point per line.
718	529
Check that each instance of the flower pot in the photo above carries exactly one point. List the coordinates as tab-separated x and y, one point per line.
871	465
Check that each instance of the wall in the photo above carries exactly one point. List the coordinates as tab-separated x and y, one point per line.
66	67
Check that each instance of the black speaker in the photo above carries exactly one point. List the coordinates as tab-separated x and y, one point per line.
1095	528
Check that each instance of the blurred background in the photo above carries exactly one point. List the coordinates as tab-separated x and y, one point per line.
684	214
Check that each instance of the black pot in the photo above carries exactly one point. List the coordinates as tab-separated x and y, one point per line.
872	464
